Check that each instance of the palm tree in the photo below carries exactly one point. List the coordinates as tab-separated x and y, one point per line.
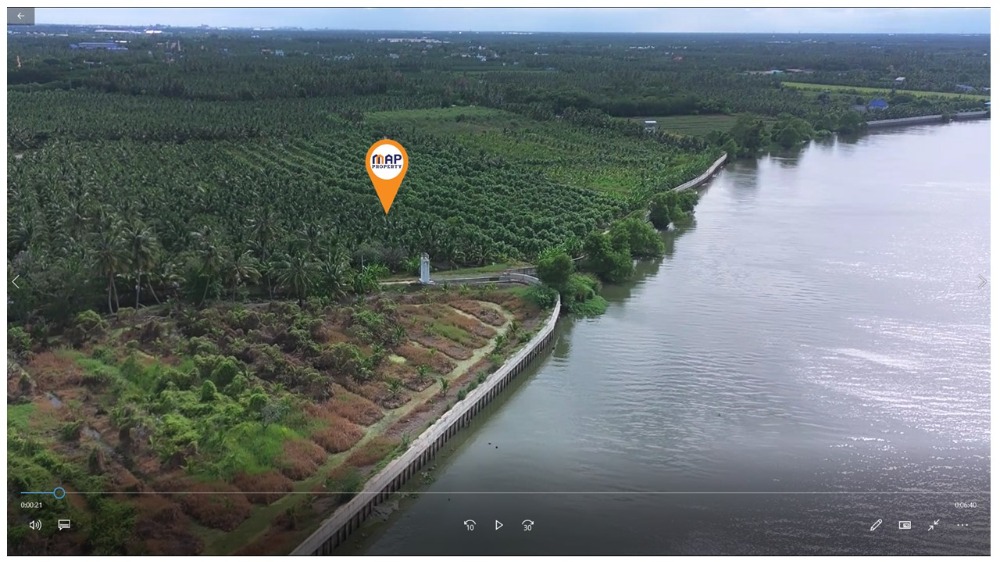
423	371
141	246
367	280
208	258
297	273
395	387
311	237
109	253
167	275
334	272
242	270
264	234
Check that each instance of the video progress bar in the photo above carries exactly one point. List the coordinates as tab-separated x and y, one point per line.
562	493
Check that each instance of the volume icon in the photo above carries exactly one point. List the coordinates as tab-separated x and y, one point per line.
35	525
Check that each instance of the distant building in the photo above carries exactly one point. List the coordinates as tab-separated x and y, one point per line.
878	104
649	126
279	53
900	79
964	88
90	46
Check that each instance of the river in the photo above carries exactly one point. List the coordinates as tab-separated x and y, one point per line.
809	357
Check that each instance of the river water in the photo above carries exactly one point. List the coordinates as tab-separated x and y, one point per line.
811	356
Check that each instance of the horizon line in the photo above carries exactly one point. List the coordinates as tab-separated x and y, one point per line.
299	28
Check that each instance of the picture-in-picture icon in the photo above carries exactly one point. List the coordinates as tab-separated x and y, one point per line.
905	525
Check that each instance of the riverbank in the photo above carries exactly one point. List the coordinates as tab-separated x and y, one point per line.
924	119
704	177
348	518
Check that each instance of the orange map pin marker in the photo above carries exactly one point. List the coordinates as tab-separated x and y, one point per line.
386	164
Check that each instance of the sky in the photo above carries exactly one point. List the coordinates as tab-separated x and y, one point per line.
745	20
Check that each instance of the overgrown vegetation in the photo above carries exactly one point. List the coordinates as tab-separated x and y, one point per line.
251	401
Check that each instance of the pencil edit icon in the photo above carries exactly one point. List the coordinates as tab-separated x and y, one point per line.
876	525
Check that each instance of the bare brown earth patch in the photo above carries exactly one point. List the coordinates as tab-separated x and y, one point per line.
485	313
300	459
264	488
217	505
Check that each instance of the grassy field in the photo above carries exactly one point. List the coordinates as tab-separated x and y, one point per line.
694	125
559	151
867	90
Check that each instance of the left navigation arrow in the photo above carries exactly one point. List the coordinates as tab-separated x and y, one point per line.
20	16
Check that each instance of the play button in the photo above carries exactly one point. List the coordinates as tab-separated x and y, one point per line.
499	524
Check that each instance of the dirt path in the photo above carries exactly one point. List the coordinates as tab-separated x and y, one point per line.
218	542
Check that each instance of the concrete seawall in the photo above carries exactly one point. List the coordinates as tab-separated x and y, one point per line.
926	119
349	517
705	176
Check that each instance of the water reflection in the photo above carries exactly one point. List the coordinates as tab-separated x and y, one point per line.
563	344
742	177
620	293
670	236
787	158
818	146
848	138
